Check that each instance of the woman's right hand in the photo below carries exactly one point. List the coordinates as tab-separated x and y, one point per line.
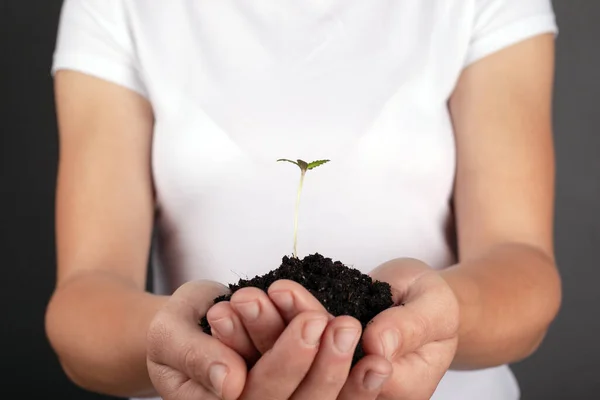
183	362
303	363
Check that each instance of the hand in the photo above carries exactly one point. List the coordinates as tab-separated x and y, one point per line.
302	362
183	362
420	336
425	321
254	323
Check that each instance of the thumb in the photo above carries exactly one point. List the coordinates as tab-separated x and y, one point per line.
396	332
426	310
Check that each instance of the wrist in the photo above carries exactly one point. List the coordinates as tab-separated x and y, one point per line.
507	297
468	294
112	360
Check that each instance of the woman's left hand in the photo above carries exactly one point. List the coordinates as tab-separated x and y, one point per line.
420	335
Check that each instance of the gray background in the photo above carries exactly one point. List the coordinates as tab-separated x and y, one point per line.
566	367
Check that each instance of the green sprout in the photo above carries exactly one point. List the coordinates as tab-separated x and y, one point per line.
304	167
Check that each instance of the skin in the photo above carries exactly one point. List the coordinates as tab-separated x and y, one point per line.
507	281
426	329
493	307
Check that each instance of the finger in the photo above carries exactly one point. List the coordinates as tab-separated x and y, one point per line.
366	379
259	316
332	364
281	370
429	312
291	299
229	329
176	340
417	375
400	273
192	300
172	384
200	357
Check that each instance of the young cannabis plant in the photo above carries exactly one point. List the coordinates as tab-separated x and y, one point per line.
304	167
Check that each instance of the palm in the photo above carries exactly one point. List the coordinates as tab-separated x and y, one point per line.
427	328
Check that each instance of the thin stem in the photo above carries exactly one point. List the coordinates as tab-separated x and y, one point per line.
297	212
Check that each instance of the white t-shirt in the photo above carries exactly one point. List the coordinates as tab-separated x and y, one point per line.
236	85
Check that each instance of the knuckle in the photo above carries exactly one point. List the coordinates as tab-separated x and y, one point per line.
452	325
419	326
307	315
450	315
414	331
346	321
166	381
247	294
193	362
161	376
334	380
190	359
157	338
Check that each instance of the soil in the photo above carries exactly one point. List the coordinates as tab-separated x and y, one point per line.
342	290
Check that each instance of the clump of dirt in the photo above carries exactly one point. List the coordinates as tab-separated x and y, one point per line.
342	290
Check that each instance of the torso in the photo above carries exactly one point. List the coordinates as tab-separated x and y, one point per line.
236	86
364	84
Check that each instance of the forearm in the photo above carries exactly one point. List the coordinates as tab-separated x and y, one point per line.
508	298
97	325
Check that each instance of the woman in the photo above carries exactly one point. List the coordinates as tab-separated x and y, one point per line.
436	116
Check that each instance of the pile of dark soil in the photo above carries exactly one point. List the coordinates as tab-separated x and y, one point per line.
342	290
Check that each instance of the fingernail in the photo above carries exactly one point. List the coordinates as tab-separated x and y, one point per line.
390	341
344	339
223	326
283	300
313	330
217	374
249	310
374	381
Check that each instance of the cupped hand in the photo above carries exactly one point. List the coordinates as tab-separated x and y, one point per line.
309	357
183	362
420	335
253	324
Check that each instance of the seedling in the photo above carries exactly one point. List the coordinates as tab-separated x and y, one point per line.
304	167
341	290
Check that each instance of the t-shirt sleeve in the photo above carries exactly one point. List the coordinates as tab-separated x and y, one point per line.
500	23
94	38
